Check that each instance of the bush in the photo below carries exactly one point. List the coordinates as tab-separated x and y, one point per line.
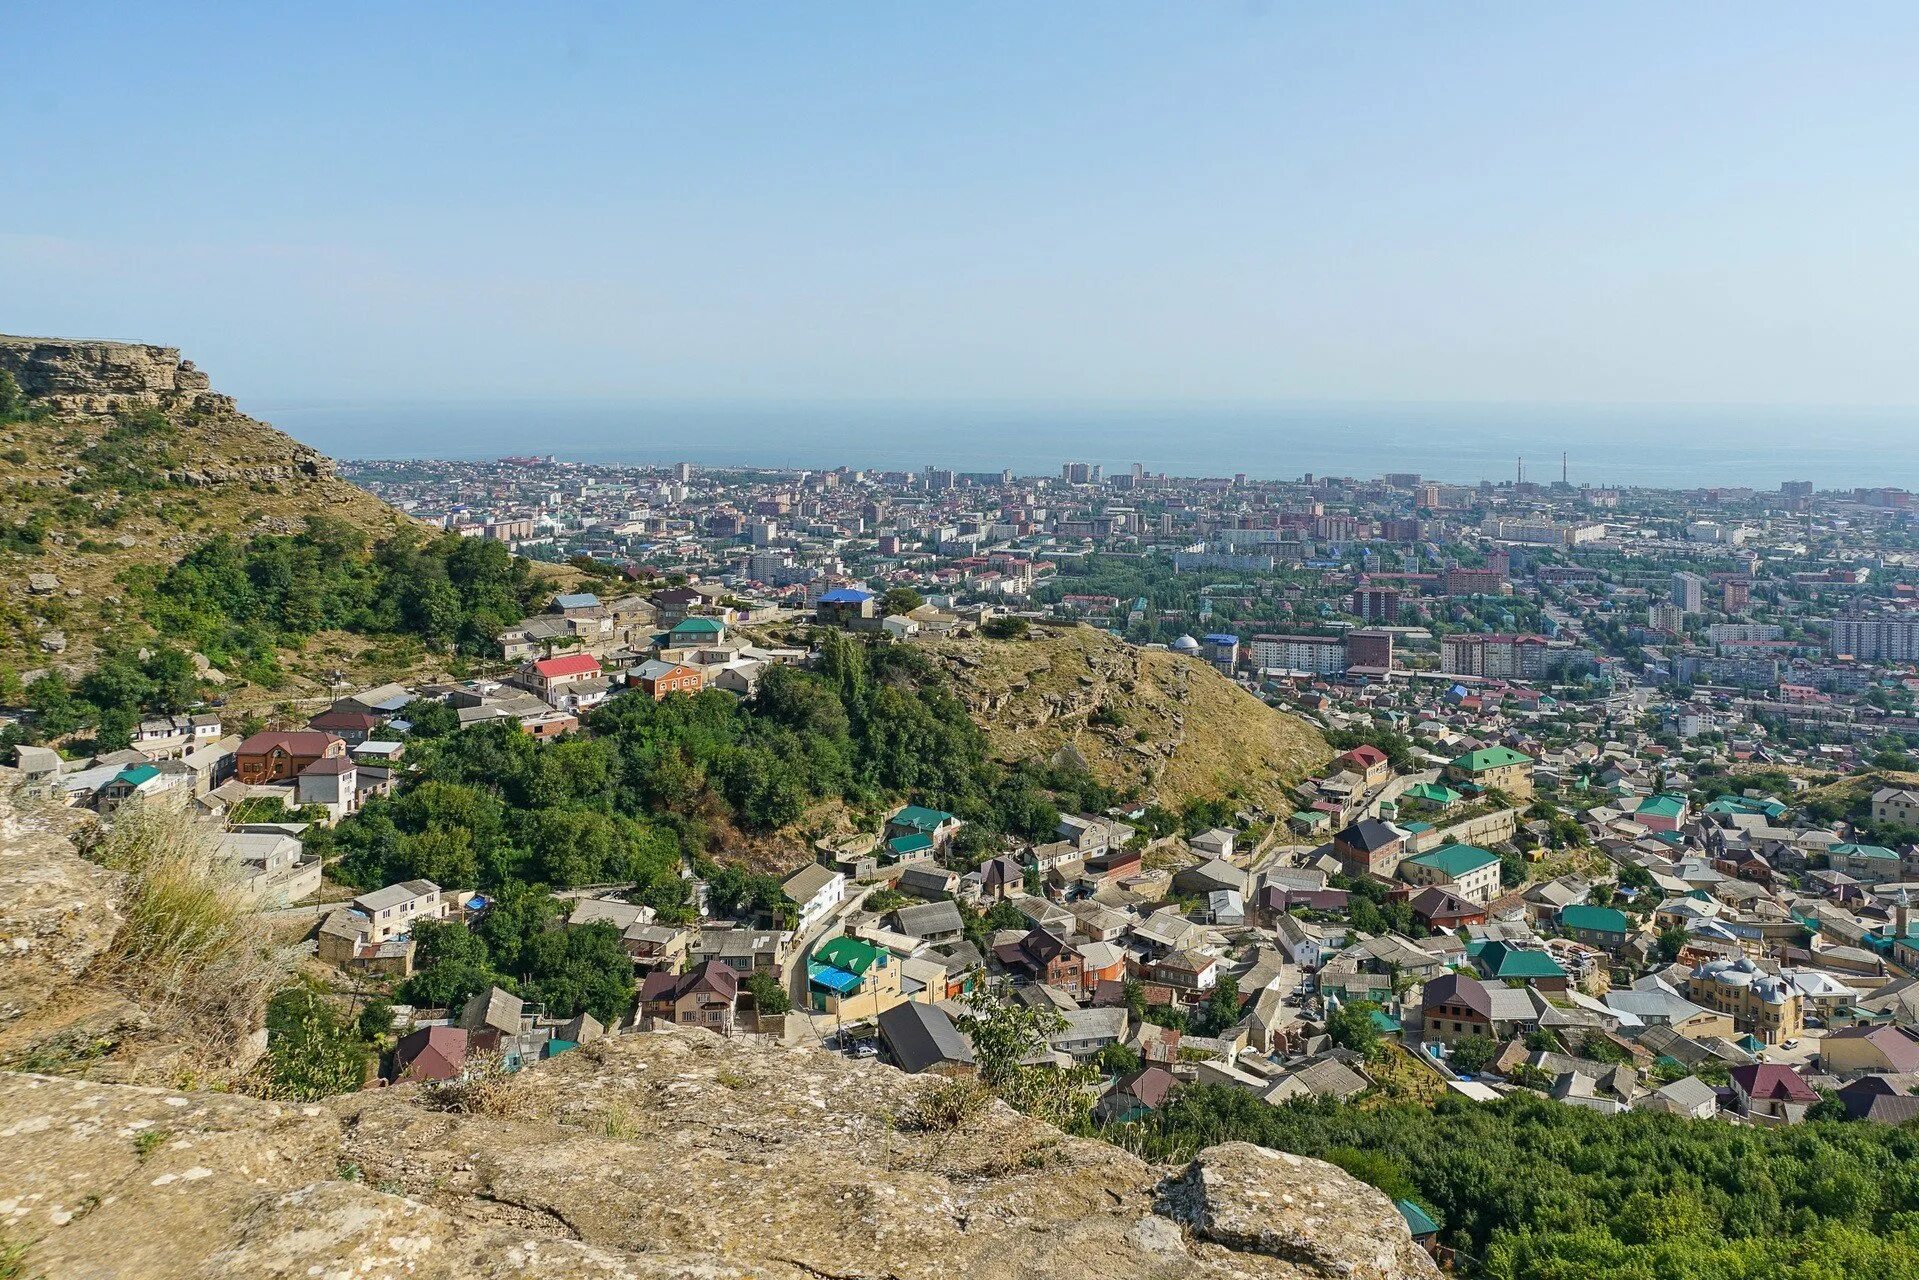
949	1105
1005	628
190	941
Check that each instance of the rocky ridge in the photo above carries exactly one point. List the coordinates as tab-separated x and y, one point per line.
671	1153
1162	721
80	509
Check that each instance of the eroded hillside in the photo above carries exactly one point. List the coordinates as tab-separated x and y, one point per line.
120	455
1163	722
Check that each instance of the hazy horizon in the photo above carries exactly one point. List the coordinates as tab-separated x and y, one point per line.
1684	446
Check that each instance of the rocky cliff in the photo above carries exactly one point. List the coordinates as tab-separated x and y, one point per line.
669	1154
123	456
81	375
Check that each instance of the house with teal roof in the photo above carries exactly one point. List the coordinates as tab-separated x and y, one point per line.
1606	927
1494	769
1433	793
141	782
1499	961
937	825
694	632
1866	863
1467	870
1661	813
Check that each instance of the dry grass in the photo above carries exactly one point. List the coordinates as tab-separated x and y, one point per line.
484	1089
191	948
1185	732
946	1107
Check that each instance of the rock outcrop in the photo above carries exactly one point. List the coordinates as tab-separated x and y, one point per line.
672	1153
83	375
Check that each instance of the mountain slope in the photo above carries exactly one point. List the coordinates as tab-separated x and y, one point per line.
1165	723
119	455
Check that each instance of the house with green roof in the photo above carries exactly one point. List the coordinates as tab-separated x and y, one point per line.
851	979
1866	863
1605	927
141	782
1467	870
1433	793
1499	961
1495	769
1661	813
936	825
693	632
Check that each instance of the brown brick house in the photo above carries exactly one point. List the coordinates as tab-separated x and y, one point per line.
705	996
278	754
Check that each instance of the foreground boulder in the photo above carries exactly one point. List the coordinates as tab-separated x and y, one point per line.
665	1154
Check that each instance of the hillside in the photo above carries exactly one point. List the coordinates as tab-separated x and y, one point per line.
120	456
1165	723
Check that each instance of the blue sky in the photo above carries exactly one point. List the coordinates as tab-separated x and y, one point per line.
1059	202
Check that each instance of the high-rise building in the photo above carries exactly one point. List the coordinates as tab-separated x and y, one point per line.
1689	592
1887	638
1369	650
1377	604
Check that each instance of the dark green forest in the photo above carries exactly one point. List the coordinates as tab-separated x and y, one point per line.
239	601
1533	1189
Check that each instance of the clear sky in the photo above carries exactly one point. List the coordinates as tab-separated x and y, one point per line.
957	201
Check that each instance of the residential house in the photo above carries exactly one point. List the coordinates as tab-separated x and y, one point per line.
705	996
1772	1093
658	678
551	678
1044	958
1369	847
430	1053
937	923
1136	1095
1504	962
1687	1096
921	1039
1603	927
276	755
1495	769
1469	871
852	980
1886	1050
814	890
395	909
918	820
1761	1004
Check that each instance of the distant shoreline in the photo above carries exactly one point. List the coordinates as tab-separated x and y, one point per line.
1681	447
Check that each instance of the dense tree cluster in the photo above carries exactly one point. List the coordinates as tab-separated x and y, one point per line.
520	946
1531	1189
238	601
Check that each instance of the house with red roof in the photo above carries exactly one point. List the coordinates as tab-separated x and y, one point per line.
1370	763
549	674
431	1053
1772	1094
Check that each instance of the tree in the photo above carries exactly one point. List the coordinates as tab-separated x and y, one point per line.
1474	1053
901	600
312	1052
769	997
581	969
1005	628
1351	1026
1221	1009
1671	942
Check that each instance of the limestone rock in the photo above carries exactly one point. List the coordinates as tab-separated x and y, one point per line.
1270	1202
671	1153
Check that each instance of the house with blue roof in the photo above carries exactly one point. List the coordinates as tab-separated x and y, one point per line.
846	607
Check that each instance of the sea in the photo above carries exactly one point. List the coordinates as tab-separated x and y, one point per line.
1654	446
